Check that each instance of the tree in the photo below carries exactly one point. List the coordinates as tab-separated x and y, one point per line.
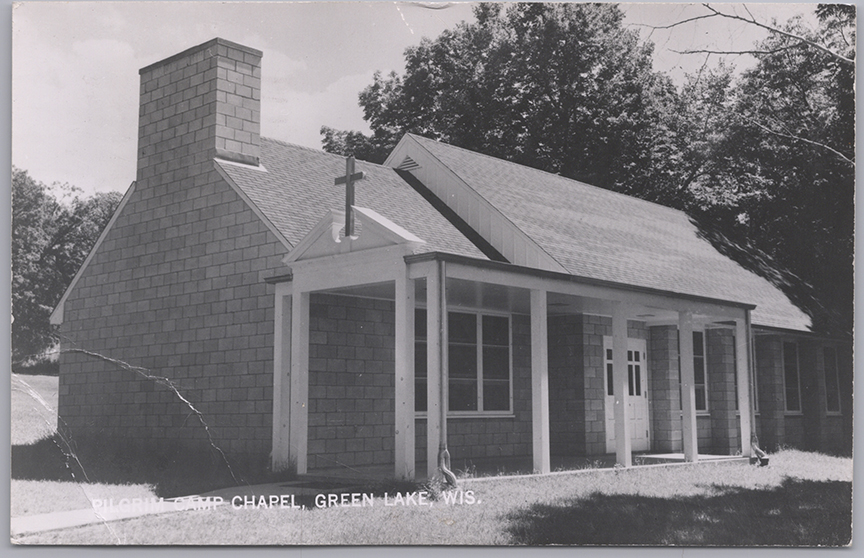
50	240
788	150
560	87
764	163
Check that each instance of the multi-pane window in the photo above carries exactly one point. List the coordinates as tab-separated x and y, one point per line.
463	364
832	380
700	381
790	377
479	362
610	374
634	373
420	360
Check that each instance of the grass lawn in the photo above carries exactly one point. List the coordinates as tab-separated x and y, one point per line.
34	422
800	499
34	408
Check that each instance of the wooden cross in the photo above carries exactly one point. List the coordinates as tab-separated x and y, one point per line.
348	180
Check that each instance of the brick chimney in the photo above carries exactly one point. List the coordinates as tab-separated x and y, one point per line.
199	104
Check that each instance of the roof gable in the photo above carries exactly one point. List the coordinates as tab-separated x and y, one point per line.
487	219
56	317
373	232
599	234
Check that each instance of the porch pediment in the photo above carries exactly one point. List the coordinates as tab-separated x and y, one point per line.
375	232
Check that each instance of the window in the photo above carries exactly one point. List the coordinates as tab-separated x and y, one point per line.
479	362
735	360
832	381
420	360
700	381
610	377
755	369
699	371
790	377
634	371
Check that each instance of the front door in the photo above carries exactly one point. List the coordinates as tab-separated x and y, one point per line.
637	397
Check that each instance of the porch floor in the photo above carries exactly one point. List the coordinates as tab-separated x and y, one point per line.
503	466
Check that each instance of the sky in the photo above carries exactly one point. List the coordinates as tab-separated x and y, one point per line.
75	66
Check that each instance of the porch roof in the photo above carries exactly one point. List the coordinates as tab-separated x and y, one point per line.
600	235
570	278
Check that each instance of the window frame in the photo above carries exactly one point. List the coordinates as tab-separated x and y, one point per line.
786	408
704	356
839	410
754	366
478	316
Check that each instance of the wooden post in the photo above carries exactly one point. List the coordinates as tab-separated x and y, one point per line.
623	442
281	378
540	382
404	365
434	328
742	370
688	387
299	380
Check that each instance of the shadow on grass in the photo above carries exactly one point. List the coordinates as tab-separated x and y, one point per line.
171	472
799	513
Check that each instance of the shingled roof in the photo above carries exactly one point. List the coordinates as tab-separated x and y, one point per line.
295	189
599	234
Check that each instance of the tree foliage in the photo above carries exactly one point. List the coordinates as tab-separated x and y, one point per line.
764	162
786	152
51	237
560	87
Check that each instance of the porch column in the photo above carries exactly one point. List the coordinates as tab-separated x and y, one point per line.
540	381
436	342
742	369
404	392
621	387
281	377
299	419
688	388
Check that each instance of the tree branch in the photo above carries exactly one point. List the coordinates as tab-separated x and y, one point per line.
805	140
753	21
676	24
706	51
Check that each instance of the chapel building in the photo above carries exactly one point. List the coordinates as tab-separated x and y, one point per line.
471	303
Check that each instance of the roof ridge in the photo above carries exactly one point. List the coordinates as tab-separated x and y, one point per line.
552	174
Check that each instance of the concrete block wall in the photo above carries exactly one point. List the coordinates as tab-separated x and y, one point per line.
577	393
813	429
772	402
567	424
480	438
794	431
351	381
665	391
722	397
833	436
176	290
813	404
716	431
827	432
846	372
594	328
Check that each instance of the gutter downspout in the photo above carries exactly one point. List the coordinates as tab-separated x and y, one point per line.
758	455
443	453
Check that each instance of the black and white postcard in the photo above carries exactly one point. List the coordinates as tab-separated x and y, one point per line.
431	274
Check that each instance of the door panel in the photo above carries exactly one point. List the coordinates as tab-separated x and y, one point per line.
637	396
